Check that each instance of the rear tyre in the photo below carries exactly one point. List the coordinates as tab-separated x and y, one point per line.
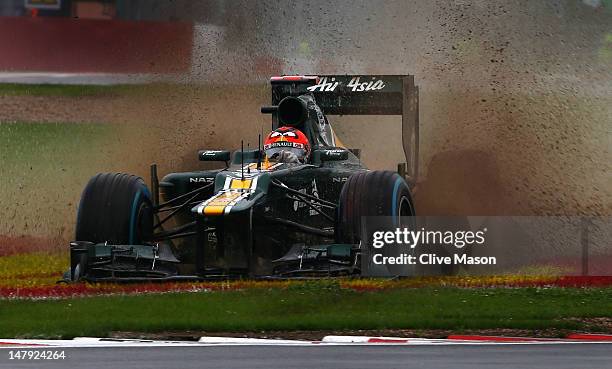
115	208
374	193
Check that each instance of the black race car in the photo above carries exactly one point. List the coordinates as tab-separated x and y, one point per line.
255	217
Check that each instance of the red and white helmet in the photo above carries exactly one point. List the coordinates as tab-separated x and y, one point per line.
288	139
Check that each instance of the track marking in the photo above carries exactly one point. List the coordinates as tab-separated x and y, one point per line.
590	337
499	338
326	341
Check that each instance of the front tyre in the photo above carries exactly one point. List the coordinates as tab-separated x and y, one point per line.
115	208
374	194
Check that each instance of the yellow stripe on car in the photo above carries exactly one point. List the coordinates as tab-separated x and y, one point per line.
216	205
214	209
241	184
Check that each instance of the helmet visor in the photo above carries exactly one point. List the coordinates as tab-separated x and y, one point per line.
273	149
273	152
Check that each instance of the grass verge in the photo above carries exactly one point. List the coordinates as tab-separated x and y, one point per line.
18	89
32	270
308	306
139	89
44	167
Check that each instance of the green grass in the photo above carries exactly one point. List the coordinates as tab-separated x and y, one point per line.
17	89
143	89
44	167
50	144
307	308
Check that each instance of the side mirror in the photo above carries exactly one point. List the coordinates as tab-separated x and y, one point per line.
246	156
214	155
332	154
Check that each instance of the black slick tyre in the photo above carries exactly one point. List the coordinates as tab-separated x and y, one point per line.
115	208
373	193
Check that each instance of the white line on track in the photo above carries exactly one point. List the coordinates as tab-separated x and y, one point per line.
240	341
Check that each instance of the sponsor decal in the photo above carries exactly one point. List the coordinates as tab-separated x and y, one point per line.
324	85
339	179
334	153
315	193
284	144
201	179
300	204
354	85
214	155
323	124
211	152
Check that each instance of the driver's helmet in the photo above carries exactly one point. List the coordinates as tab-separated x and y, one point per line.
287	144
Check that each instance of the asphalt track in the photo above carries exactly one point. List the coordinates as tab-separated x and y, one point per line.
558	356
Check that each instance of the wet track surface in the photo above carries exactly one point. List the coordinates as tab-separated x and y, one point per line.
556	356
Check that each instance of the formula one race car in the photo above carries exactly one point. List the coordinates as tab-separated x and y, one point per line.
259	216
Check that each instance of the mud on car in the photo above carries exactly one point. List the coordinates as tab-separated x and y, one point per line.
255	217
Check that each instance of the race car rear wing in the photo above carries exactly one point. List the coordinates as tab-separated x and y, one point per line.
362	95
